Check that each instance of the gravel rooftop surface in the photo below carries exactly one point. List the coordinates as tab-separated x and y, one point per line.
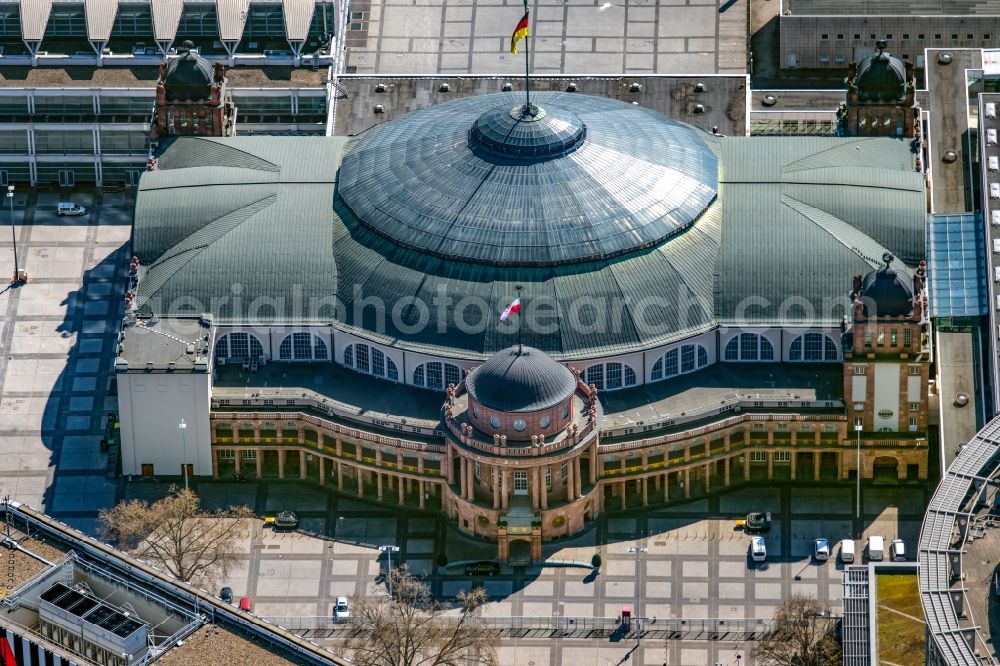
146	76
17	567
214	646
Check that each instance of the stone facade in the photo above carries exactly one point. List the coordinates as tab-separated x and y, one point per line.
739	448
211	115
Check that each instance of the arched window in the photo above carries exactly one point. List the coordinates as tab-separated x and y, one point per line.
749	347
678	361
610	376
437	375
302	347
239	346
813	347
370	360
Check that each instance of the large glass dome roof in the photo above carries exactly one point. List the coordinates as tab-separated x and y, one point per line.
478	180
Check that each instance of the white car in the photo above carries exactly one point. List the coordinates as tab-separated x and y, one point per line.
897	551
758	549
341	612
821	550
70	208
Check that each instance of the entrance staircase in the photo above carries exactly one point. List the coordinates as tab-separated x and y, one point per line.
519	517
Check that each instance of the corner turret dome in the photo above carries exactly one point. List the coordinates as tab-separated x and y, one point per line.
890	291
520	380
881	78
188	76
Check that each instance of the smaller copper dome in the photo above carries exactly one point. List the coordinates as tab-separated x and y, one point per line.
189	76
520	379
881	78
889	291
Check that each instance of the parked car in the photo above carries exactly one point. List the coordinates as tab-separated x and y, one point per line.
286	520
876	548
756	522
821	550
758	549
482	568
847	551
226	594
897	551
70	208
246	605
341	611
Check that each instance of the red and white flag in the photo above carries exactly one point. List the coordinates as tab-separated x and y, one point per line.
513	308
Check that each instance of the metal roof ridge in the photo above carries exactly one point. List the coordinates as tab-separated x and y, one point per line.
34	19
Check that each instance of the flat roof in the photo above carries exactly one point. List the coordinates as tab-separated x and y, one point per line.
957	373
366	398
723	98
947	105
21	566
797	100
183	342
146	77
352	393
976	8
213	645
721	382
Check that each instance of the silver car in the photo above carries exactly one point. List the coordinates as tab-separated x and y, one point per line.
821	550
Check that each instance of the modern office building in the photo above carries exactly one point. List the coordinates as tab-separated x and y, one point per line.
78	79
821	35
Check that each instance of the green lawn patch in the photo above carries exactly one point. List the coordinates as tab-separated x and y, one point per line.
900	620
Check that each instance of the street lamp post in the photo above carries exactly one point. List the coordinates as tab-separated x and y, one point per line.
182	426
389	550
13	231
638	585
857	429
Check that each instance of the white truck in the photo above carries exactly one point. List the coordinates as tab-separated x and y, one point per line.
876	548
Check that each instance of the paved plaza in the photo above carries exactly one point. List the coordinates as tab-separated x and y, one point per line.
57	333
696	565
455	37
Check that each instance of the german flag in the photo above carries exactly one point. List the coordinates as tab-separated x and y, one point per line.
520	32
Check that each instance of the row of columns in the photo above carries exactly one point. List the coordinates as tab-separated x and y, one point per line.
661	479
338	444
403	483
501	481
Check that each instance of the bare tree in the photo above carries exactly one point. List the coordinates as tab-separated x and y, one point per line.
803	633
410	629
175	533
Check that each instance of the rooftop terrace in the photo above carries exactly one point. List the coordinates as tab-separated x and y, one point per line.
352	397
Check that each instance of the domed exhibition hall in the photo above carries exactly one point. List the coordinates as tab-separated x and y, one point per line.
631	234
329	309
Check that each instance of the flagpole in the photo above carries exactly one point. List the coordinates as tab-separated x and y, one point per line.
520	320
527	75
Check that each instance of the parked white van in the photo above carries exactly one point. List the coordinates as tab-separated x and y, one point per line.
876	548
991	110
993	162
994	190
847	551
991	137
995	218
996	246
